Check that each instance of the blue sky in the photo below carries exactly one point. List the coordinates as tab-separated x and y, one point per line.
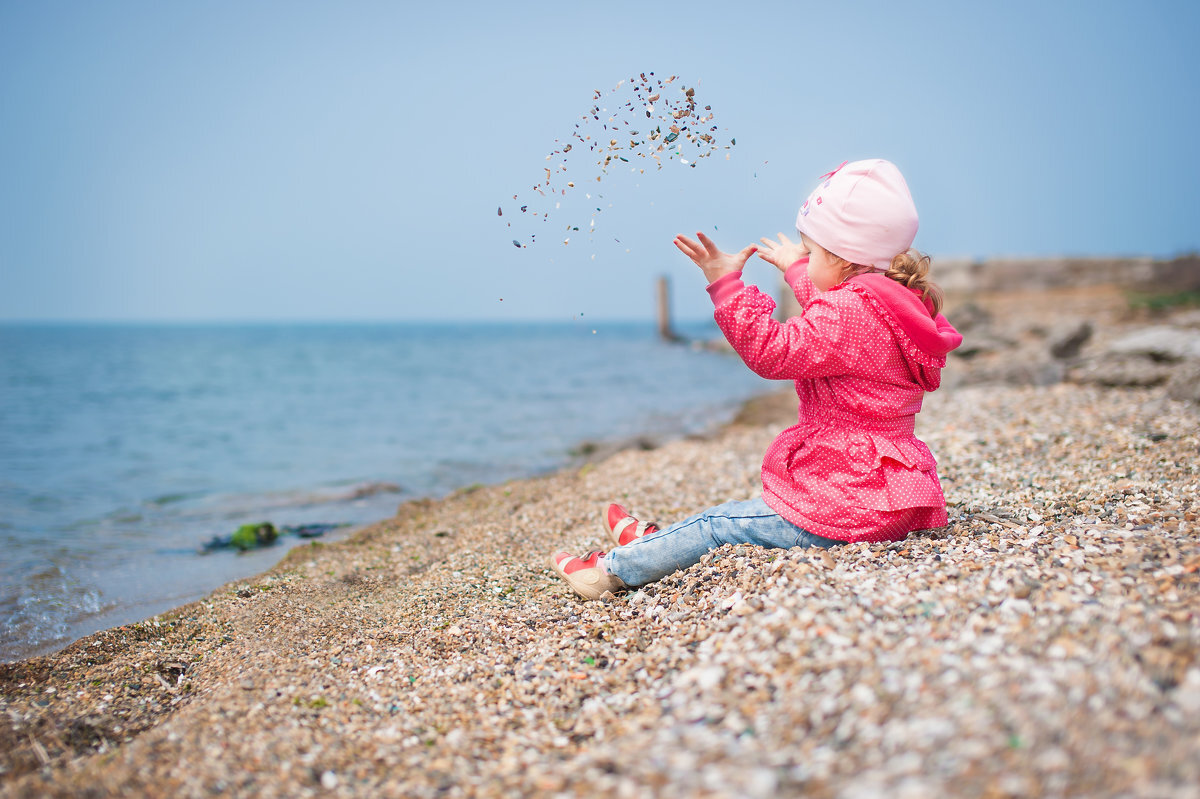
345	161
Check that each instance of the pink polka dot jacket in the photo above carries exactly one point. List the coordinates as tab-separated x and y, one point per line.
861	355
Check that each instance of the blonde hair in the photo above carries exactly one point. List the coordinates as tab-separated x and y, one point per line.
910	269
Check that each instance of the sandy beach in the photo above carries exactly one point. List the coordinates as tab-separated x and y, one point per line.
1045	643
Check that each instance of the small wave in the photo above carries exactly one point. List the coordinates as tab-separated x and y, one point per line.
40	613
200	507
170	499
300	499
372	489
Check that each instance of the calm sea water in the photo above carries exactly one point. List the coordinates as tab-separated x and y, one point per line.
123	448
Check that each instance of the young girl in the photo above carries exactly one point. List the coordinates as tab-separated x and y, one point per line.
868	344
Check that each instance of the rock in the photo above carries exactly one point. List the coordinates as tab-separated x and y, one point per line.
249	536
1184	383
1188	319
1067	339
969	317
1033	370
982	342
1148	356
1160	342
1121	370
1188	694
373	489
309	530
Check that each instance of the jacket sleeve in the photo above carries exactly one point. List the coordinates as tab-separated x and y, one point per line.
815	344
798	281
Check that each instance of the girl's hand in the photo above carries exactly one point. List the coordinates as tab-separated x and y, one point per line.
714	263
783	253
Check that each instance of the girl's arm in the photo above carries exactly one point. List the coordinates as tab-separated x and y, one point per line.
799	282
791	258
818	343
810	345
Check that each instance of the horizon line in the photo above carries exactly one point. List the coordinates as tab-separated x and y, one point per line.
212	321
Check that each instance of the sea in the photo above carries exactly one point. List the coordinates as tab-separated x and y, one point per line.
130	452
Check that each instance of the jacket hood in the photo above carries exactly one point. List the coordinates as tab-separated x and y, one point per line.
909	315
924	338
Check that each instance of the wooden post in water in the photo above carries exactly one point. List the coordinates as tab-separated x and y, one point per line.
664	310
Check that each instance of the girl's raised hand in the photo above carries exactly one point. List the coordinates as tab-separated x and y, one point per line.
783	253
714	263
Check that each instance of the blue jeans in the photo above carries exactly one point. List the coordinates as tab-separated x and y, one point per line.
683	544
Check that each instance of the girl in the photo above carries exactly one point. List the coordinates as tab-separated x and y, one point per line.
869	342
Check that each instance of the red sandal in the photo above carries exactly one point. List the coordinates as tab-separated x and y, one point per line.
586	575
624	528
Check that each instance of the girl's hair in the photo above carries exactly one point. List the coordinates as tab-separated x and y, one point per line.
910	268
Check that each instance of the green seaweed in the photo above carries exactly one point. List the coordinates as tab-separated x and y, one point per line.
249	536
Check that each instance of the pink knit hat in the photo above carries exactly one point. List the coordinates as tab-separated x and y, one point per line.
861	211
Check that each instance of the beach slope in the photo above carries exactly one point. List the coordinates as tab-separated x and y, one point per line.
1046	642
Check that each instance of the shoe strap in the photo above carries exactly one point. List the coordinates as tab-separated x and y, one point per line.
621	525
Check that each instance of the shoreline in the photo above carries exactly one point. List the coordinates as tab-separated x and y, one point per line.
433	653
199	454
584	452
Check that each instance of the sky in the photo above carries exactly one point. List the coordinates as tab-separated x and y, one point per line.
264	161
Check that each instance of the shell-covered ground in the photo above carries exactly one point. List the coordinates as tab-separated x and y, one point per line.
1044	643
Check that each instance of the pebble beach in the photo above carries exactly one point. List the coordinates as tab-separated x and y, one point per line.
1045	643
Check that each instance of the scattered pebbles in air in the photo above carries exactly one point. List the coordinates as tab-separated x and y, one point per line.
642	123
